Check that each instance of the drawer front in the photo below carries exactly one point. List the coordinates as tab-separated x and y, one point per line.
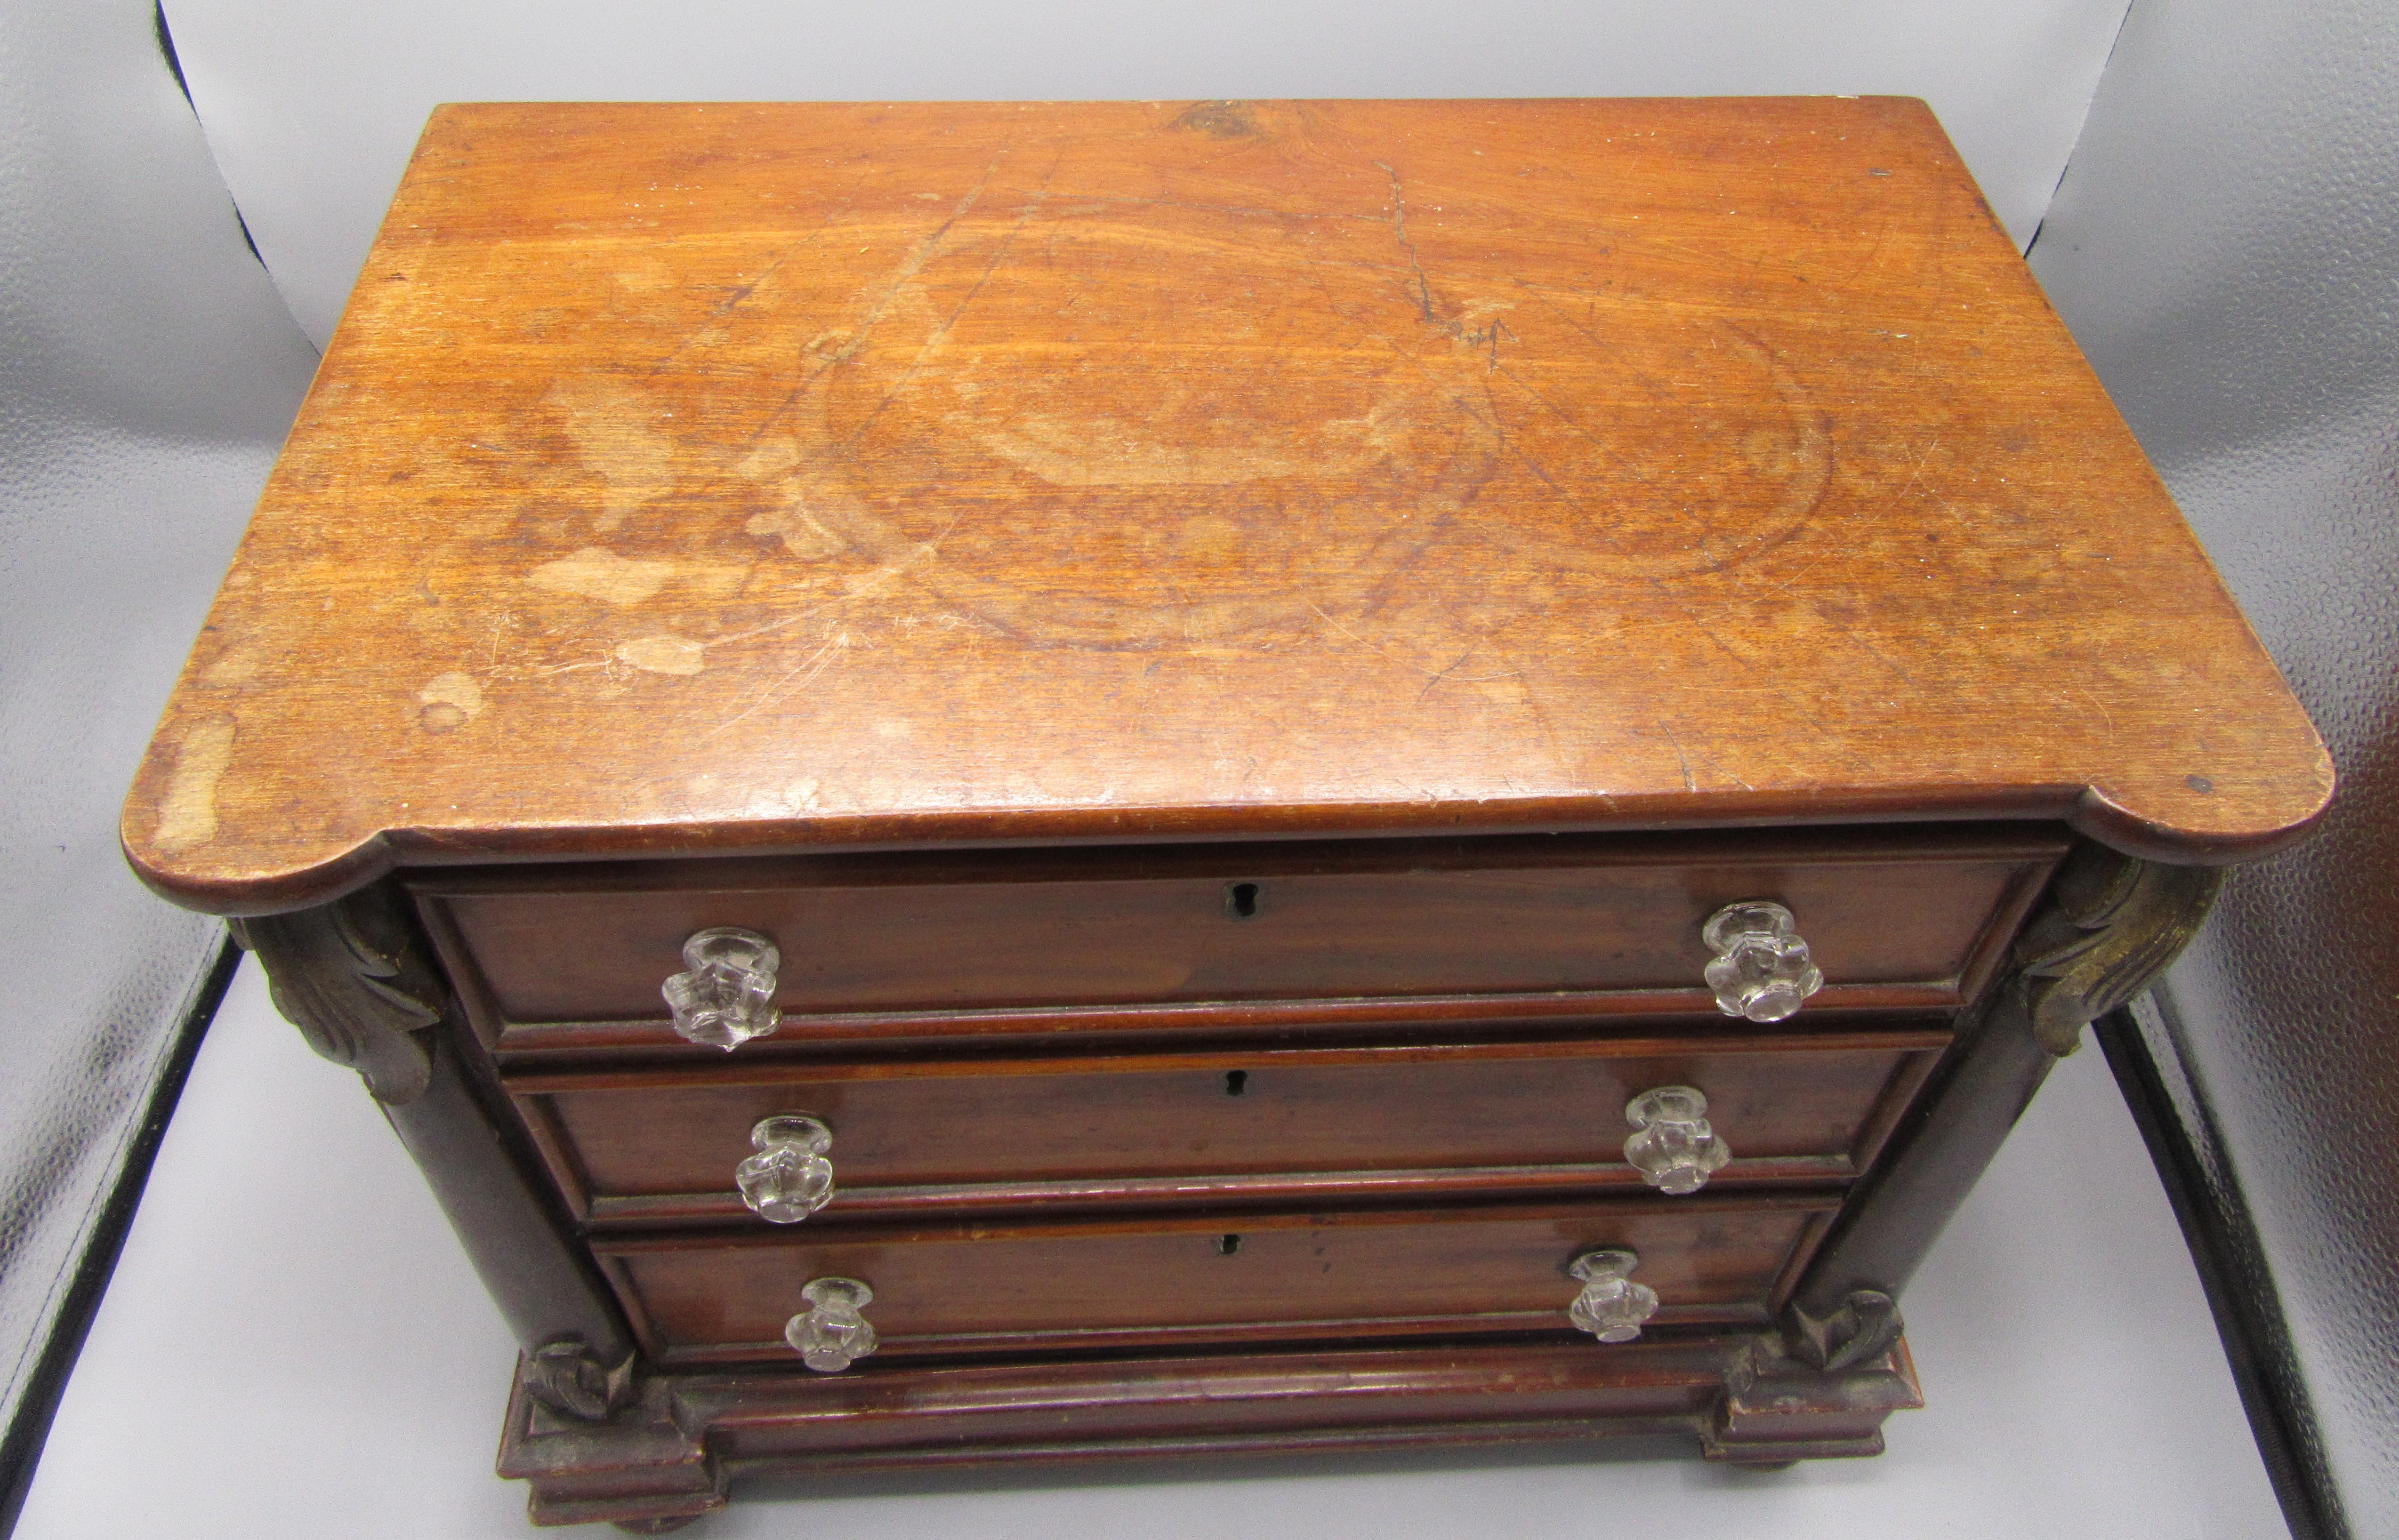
1066	929
665	1144
1254	1279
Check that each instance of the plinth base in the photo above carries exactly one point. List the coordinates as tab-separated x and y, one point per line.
674	1451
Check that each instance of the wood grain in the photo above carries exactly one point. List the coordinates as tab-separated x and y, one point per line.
1029	1124
747	479
694	1434
1222	1196
1386	918
1154	1282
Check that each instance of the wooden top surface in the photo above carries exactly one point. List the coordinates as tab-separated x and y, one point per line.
756	477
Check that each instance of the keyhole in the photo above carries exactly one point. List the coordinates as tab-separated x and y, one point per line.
1235	1082
1241	901
1228	1245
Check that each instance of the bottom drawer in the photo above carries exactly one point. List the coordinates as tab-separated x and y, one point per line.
1261	1276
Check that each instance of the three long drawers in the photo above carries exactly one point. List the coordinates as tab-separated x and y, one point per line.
1109	1099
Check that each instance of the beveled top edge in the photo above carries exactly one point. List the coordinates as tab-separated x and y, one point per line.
2085	811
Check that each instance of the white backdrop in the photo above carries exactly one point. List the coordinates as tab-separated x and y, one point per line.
312	107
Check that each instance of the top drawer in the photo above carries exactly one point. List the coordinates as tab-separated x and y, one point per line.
1900	917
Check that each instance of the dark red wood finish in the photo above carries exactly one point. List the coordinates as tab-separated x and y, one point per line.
629	1145
675	1453
1134	1282
1392	919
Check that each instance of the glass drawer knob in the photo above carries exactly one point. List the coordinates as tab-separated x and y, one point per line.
727	995
789	1178
831	1335
1761	969
1611	1306
1676	1150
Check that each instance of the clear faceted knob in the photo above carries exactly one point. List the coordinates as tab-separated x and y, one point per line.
1611	1306
1676	1150
789	1178
1761	968
831	1335
727	997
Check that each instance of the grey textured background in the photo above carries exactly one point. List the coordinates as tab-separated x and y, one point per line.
147	372
2226	248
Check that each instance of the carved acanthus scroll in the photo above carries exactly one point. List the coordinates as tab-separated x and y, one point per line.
2112	924
348	975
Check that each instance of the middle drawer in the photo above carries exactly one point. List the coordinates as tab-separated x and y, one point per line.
661	1146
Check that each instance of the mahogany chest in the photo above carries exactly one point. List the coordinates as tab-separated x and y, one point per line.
1028	781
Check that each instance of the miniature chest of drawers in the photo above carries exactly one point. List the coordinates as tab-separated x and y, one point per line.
1020	781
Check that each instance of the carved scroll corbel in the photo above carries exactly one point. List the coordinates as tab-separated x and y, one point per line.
2112	924
567	1377
648	1469
1860	1332
1802	1343
1817	1386
349	976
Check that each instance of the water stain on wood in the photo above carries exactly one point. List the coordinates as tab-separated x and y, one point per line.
1499	463
449	701
187	812
664	654
597	572
1219	119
